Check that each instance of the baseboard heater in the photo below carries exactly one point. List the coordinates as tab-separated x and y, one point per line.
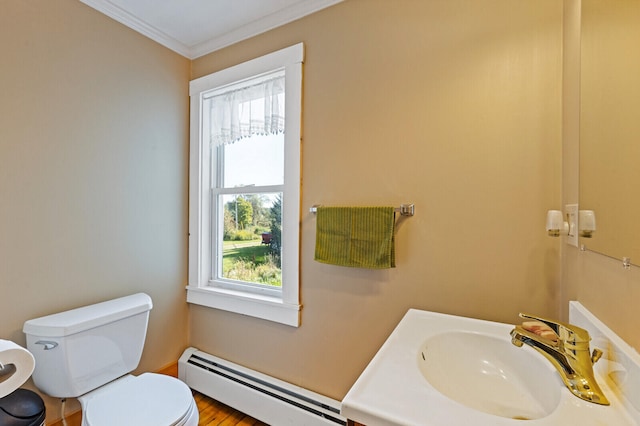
265	398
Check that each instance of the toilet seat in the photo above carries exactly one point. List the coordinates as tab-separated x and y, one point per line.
148	399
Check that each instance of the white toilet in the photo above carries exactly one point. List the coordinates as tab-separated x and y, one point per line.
88	353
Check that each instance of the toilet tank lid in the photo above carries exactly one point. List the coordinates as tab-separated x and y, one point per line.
87	317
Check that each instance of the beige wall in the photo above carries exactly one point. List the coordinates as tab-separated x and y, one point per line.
93	170
452	105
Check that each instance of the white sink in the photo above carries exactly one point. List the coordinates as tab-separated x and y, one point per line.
464	366
437	369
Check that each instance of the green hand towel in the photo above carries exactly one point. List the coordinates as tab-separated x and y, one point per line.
361	237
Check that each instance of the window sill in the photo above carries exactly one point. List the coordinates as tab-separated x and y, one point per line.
254	305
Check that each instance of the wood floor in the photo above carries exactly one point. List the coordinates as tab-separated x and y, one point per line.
214	413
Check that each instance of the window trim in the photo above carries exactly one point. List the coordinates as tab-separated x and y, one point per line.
286	308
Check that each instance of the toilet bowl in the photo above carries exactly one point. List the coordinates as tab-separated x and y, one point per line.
89	352
145	400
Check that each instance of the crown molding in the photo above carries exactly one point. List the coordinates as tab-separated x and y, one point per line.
262	25
252	29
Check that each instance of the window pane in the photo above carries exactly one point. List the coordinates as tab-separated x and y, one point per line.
254	161
251	245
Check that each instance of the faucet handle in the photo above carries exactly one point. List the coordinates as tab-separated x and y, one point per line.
566	332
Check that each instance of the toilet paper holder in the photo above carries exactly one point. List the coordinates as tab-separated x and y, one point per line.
6	369
16	366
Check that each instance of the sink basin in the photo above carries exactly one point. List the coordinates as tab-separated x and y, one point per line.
490	375
445	370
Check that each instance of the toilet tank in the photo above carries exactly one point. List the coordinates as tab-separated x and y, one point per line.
82	349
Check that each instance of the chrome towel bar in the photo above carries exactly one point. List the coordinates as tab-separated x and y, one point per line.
404	209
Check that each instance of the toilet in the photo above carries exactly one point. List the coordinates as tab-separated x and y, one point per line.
89	352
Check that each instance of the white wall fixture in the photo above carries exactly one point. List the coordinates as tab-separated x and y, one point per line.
586	223
556	225
571	212
564	224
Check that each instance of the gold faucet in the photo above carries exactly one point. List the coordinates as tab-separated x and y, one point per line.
569	354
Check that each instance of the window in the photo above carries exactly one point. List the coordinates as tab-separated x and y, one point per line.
244	195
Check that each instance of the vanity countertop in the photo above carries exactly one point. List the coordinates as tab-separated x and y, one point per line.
392	390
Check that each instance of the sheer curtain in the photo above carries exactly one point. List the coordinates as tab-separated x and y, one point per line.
256	107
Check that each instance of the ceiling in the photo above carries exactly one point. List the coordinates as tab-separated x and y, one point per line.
194	28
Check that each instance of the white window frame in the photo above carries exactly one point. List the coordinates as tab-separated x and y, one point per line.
284	307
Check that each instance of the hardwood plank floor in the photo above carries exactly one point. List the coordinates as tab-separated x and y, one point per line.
214	413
